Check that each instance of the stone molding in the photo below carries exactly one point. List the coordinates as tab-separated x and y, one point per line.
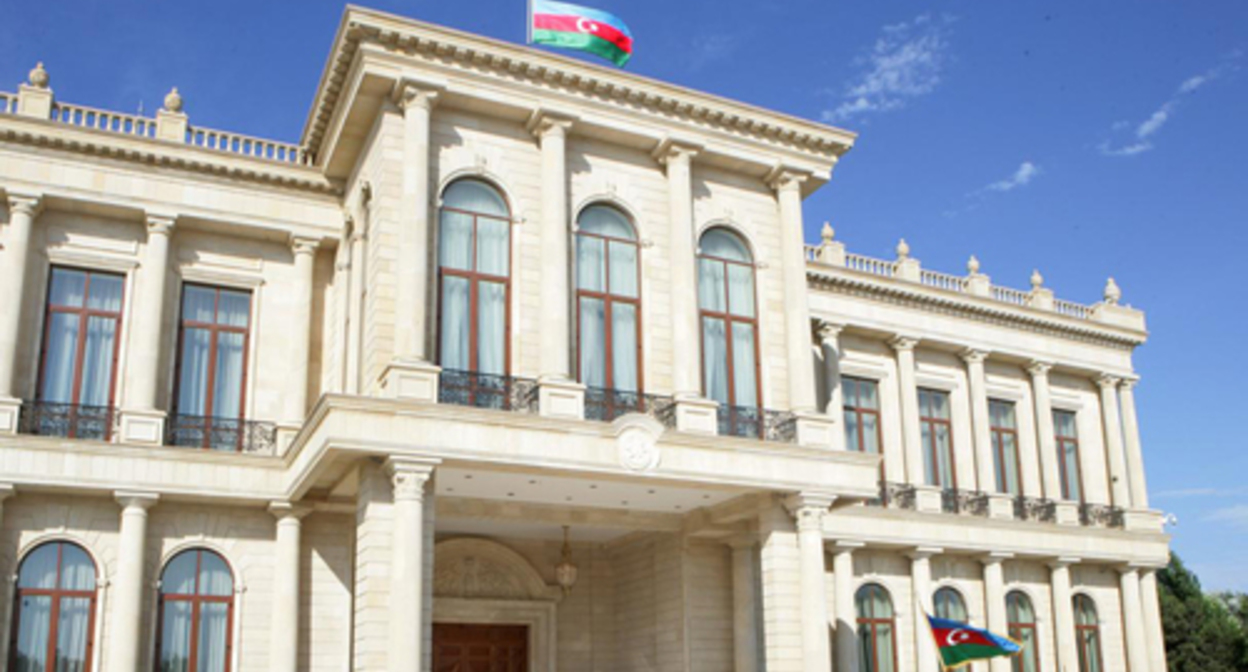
471	568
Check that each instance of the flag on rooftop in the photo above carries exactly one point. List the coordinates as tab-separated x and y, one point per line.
960	644
560	24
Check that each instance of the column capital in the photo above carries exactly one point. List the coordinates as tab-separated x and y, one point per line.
924	552
1062	562
410	94
408	476
543	123
1039	368
828	331
1129	382
6	491
140	500
846	546
783	178
160	223
974	355
995	557
671	150
808	508
304	244
26	203
1108	382
904	342
283	510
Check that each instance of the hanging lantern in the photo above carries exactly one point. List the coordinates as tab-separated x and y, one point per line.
565	571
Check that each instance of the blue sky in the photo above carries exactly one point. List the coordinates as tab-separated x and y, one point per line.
1084	139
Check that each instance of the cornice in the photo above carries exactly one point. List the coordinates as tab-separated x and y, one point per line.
160	153
518	63
973	307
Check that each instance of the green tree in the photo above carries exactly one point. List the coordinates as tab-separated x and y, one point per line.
1201	633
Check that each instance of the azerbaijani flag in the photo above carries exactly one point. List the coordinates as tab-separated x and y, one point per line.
560	24
960	644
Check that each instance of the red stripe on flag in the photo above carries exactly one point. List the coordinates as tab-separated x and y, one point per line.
572	24
964	637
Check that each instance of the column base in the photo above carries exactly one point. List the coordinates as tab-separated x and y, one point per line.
1000	507
10	410
560	398
815	430
697	415
1067	513
927	499
1143	520
142	427
411	380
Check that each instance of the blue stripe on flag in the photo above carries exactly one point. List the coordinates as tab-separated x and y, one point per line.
568	9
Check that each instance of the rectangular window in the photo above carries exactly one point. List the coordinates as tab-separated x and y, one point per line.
861	399
937	435
212	364
1004	429
80	346
1066	436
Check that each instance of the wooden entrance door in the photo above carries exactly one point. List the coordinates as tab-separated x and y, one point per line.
480	648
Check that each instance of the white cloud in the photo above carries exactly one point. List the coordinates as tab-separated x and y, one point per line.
1183	493
1236	515
707	49
906	62
1027	171
1143	132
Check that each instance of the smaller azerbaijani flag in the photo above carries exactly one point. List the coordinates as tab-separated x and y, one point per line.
560	24
961	644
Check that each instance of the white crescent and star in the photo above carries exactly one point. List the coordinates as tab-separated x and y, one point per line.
957	637
586	26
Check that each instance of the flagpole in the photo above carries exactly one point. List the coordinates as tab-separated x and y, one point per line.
528	26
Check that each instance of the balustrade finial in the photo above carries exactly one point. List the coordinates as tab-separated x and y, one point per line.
828	233
903	250
1037	280
39	77
173	101
972	265
1112	293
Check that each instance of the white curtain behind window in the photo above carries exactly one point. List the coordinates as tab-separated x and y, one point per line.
34	627
743	371
624	346
715	359
175	636
593	343
57	385
71	634
453	346
213	634
97	361
228	395
492	328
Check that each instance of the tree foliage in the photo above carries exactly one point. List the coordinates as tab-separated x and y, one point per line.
1204	633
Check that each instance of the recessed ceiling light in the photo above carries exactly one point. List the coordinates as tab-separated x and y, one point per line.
593	486
532	482
624	503
511	494
569	498
467	477
650	491
706	496
679	507
450	489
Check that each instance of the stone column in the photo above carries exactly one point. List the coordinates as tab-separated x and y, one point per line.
911	435
846	611
552	133
142	421
6	491
1045	443
284	637
744	605
985	461
925	653
788	187
1063	615
127	594
1134	454
780	576
23	208
355	309
809	509
1136	643
994	601
410	375
1112	423
829	342
1152	620
299	347
408	477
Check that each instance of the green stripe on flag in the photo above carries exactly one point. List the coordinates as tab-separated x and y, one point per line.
583	41
965	653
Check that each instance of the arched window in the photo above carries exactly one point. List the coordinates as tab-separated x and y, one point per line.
54	612
608	304
949	605
474	250
196	613
1087	634
1022	625
729	328
877	630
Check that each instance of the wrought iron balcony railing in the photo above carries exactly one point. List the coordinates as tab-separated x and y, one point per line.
484	390
1035	508
222	434
895	496
757	423
606	405
1100	515
967	502
70	421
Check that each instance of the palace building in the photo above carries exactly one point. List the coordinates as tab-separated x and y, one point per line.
515	363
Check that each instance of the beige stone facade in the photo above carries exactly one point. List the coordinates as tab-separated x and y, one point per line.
361	498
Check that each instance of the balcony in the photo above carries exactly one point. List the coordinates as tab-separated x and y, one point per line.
964	502
895	496
484	390
69	421
221	434
1101	515
606	405
1035	509
757	423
